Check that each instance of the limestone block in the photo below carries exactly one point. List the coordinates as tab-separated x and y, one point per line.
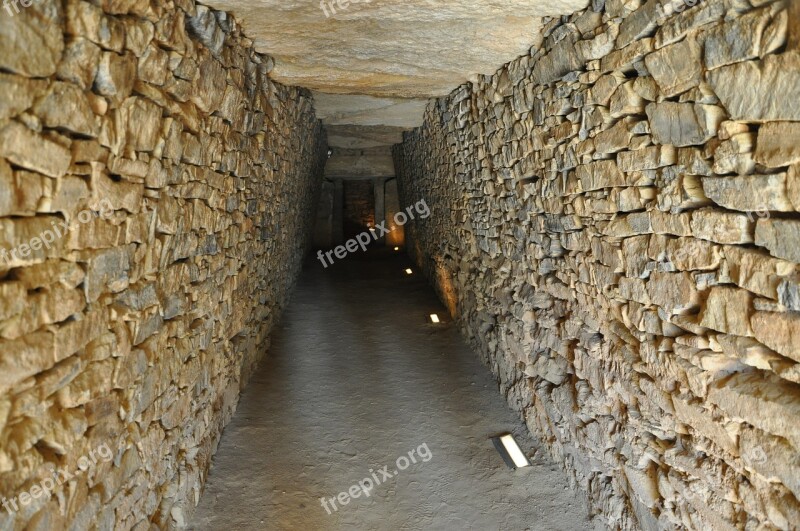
50	272
626	101
722	227
32	39
674	292
678	25
683	124
138	35
64	105
780	236
760	91
677	67
727	310
33	151
772	458
115	76
763	400
13	299
752	35
778	144
79	62
19	93
734	155
143	123
25	357
779	331
749	193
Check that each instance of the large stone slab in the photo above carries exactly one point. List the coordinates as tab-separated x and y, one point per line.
760	91
684	124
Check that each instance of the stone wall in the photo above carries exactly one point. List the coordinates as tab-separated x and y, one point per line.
156	192
359	207
615	224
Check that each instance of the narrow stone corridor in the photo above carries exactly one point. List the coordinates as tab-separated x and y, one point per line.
600	199
355	378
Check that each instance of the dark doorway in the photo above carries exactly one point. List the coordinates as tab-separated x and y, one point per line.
359	207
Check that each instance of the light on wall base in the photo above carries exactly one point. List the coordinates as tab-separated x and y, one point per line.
510	451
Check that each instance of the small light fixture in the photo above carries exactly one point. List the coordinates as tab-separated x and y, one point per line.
397	248
408	271
435	319
510	451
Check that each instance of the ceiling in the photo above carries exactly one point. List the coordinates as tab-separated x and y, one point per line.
374	64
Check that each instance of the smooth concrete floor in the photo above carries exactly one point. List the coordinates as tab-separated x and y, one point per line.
355	379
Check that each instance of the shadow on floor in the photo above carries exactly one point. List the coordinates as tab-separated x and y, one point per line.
356	378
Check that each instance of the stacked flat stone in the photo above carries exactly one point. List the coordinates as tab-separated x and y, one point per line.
615	224
138	329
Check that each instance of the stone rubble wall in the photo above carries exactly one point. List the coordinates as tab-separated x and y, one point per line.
139	327
615	226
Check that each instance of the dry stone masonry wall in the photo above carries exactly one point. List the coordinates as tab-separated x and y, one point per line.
186	178
615	223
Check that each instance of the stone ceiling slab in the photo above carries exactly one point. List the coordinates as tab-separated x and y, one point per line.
362	137
390	49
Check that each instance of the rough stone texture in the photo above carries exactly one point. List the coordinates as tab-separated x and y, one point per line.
619	240
378	61
385	48
139	327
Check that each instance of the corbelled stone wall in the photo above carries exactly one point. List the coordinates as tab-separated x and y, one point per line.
615	224
156	195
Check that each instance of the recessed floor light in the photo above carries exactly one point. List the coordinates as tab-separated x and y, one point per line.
408	271
435	318
510	451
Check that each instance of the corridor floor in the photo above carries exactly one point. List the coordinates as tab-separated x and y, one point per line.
354	380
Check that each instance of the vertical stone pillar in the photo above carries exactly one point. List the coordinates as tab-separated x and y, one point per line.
380	205
396	238
338	211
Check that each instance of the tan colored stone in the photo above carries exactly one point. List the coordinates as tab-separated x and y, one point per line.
780	236
752	35
25	357
759	91
779	331
115	76
64	105
749	193
646	159
683	124
32	39
18	93
722	227
677	67
30	150
778	144
755	271
12	299
727	310
763	400
674	292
